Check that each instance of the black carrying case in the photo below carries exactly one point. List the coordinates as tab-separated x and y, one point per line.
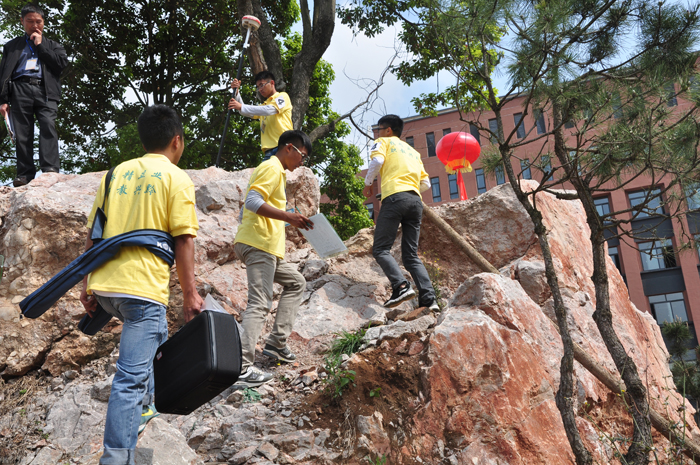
197	363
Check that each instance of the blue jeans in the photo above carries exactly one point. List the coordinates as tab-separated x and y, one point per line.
405	209
145	329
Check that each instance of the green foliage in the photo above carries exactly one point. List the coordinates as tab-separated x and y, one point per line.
338	379
686	375
347	343
128	54
378	460
346	211
376	392
435	40
334	161
251	396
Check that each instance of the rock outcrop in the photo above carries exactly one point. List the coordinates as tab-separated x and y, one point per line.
473	384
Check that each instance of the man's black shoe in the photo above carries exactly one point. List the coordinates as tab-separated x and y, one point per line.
402	294
284	355
20	181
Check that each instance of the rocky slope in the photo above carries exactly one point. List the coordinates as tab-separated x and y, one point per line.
473	384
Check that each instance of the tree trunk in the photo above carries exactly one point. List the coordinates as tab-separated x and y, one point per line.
689	447
638	452
316	39
565	393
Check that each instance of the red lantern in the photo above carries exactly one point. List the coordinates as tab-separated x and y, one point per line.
457	151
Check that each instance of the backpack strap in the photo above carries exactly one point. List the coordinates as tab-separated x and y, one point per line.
100	220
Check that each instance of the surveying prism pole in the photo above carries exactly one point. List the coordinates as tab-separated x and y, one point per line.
250	23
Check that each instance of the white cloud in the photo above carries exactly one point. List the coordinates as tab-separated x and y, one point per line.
358	62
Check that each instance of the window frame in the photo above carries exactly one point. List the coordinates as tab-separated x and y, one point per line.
474	131
494	130
642	194
519	125
370	210
657	255
430	144
480	176
525	171
435	182
655	302
500	174
452	182
540	122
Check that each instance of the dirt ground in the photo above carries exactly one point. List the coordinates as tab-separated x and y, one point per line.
386	382
18	429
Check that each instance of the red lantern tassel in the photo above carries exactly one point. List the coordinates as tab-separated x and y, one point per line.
460	185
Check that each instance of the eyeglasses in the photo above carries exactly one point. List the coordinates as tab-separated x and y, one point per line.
303	155
262	86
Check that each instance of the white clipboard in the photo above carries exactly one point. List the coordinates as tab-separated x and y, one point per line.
323	237
10	129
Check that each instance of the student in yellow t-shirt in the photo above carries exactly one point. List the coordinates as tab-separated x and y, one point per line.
403	180
150	192
275	114
260	245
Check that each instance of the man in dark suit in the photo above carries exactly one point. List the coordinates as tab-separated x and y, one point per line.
30	84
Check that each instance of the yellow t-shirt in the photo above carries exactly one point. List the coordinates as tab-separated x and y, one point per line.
145	193
402	169
272	127
261	232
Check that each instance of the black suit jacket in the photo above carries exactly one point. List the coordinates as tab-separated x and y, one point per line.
53	61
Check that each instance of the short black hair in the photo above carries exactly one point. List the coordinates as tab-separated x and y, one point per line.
31	8
157	126
297	138
264	76
393	122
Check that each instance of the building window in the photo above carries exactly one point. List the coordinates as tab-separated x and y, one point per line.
430	141
435	184
652	207
500	175
668	308
525	169
409	141
657	255
493	127
539	121
519	125
370	210
671	101
454	190
617	106
615	255
446	132
568	122
545	164
602	205
474	131
480	180
692	195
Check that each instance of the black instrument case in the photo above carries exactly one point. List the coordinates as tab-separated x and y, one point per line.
197	363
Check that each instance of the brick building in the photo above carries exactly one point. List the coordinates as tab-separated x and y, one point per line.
660	280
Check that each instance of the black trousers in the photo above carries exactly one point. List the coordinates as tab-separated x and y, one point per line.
405	209
29	100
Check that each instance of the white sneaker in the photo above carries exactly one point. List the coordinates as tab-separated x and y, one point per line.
252	377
